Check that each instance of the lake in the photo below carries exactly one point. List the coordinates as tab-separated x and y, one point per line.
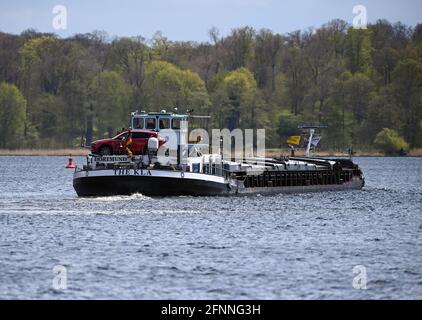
340	245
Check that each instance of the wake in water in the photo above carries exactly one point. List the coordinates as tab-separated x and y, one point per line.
136	196
282	246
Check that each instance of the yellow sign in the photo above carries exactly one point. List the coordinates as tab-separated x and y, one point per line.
294	140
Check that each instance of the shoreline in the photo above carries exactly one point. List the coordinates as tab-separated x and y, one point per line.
78	152
414	153
45	152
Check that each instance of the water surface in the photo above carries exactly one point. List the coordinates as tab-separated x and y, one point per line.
258	247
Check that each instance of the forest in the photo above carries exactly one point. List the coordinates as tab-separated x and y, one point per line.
364	84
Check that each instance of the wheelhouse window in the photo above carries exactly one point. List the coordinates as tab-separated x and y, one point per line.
164	123
175	124
138	123
150	123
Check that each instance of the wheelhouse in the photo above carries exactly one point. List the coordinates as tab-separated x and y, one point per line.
172	127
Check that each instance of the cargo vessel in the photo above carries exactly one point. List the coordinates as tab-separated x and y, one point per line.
180	168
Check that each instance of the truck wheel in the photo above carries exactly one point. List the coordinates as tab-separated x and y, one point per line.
106	151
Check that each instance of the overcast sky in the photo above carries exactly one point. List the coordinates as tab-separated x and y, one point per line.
191	19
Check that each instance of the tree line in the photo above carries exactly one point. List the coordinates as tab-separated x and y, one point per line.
365	84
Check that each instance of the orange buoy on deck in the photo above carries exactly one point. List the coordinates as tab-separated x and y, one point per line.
70	164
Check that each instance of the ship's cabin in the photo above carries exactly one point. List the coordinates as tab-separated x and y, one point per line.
168	123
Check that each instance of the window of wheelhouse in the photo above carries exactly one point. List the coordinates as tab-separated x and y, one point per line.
175	124
138	123
150	123
164	123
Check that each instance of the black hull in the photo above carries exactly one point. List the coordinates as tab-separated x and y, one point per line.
355	184
164	186
148	186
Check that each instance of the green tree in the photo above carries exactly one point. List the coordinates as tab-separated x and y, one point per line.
358	94
238	48
40	71
288	125
385	61
417	33
268	48
359	91
296	76
129	57
236	99
9	60
76	112
110	97
341	127
41	60
356	81
339	115
407	88
47	118
323	66
382	113
160	46
390	142
12	116
359	50
168	86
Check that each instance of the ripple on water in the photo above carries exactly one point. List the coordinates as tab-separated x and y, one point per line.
260	247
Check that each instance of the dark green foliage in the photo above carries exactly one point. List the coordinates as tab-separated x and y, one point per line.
12	116
390	142
357	82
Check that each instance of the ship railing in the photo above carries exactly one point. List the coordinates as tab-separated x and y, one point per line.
218	171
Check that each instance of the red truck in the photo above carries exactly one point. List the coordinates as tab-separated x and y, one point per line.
117	145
